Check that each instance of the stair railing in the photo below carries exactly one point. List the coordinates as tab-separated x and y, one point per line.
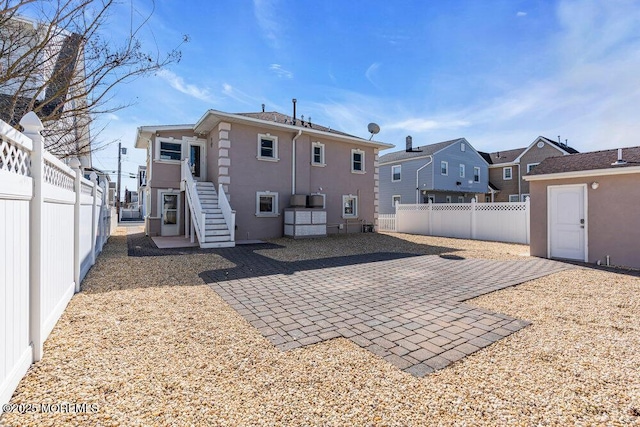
228	213
198	216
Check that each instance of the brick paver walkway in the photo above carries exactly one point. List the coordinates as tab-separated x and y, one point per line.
405	308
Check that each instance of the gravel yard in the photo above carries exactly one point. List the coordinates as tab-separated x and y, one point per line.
149	344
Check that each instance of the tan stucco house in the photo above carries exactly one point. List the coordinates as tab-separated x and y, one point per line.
506	168
586	207
258	160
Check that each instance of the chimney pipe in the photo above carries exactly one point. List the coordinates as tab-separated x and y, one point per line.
409	141
559	140
263	108
620	160
294	110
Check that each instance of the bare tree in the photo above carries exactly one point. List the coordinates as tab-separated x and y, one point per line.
63	64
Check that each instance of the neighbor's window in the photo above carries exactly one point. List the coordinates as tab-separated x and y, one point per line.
513	197
462	170
530	166
394	200
357	161
266	203
317	154
448	199
463	147
506	172
476	174
460	199
170	151
349	206
444	168
267	147
395	172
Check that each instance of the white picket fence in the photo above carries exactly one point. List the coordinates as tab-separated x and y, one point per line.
501	222
53	223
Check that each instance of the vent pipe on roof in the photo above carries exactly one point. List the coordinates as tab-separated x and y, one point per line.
294	110
263	108
409	143
620	161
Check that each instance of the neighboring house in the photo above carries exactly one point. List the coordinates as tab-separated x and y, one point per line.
446	172
130	199
585	207
142	190
506	168
259	160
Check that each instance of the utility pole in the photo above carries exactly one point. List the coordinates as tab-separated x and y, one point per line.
119	179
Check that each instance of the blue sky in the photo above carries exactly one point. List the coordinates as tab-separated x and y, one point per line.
498	73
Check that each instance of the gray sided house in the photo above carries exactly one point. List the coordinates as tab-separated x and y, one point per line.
585	207
445	172
259	160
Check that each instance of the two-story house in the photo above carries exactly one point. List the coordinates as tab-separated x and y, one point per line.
506	168
252	164
445	172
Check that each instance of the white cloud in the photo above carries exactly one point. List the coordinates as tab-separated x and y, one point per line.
422	125
371	72
520	14
239	95
269	20
179	84
281	72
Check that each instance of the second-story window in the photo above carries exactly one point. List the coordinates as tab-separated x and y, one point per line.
357	161
476	174
462	170
444	168
267	147
317	154
506	172
170	151
396	172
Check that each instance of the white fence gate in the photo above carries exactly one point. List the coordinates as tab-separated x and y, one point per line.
386	222
53	223
501	222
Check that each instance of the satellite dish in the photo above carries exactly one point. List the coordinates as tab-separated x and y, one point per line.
373	129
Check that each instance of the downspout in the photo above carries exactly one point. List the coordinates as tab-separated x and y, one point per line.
417	178
293	162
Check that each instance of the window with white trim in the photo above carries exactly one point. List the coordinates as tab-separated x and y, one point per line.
507	172
266	203
487	199
476	174
448	199
530	166
317	154
267	147
463	147
460	199
395	199
357	161
349	206
513	197
444	168
396	172
169	150
462	170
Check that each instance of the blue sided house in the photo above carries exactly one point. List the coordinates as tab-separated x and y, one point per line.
445	172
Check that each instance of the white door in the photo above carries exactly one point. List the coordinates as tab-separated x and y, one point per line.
170	211
197	161
567	221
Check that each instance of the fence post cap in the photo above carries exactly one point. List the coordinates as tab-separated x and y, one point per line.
93	177
74	163
31	122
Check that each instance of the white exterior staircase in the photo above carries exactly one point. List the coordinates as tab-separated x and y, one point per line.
216	231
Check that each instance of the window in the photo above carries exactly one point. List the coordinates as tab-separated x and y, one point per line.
444	168
460	199
530	166
317	154
266	203
506	173
395	172
431	198
267	147
476	174
170	151
349	206
448	199
394	200
357	161
463	147
462	170
487	199
513	197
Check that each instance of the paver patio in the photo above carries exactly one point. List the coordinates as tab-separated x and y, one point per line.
405	308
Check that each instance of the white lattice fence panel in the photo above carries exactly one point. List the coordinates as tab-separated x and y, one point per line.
413	219
451	220
57	176
503	222
14	158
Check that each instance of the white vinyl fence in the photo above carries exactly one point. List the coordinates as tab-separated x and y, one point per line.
501	222
53	223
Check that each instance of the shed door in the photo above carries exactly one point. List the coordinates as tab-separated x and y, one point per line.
567	222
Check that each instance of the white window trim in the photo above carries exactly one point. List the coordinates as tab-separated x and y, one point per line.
355	206
446	166
268	136
531	165
323	162
463	170
393	199
448	199
362	153
393	174
275	212
513	198
460	199
463	147
504	172
158	142
475	168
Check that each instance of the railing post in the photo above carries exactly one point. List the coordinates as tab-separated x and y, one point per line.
77	187
527	220
32	128
103	215
94	193
429	216
473	218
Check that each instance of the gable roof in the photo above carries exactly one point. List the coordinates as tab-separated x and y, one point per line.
425	150
513	155
591	161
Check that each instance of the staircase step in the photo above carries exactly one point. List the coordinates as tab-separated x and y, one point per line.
215	221
208	227
211	233
209	245
209	239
